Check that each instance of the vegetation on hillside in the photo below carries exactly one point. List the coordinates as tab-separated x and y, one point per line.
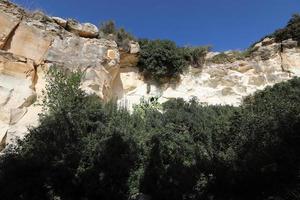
291	31
108	29
161	59
85	149
195	56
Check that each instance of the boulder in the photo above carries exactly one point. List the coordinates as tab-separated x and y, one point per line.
134	47
290	43
267	52
40	16
267	41
87	30
60	21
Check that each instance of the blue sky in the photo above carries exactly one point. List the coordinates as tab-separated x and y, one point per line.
224	24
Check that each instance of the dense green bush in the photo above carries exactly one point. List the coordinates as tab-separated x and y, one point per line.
195	56
75	152
161	59
291	31
107	27
84	149
109	30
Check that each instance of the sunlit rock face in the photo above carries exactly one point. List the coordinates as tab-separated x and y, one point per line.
226	83
30	44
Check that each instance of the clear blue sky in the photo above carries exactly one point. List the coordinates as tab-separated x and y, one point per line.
225	24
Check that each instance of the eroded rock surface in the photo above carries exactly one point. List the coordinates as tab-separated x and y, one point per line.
31	43
226	83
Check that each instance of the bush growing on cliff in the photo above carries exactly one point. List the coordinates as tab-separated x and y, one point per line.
291	31
195	56
161	59
109	30
107	27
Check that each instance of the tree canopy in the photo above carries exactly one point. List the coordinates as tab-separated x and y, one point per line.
86	149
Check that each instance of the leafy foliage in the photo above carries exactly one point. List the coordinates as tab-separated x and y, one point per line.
291	31
195	56
108	27
109	30
71	153
161	59
84	149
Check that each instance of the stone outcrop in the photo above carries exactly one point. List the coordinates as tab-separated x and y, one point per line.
226	83
31	43
84	30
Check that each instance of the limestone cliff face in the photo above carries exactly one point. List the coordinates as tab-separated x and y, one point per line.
31	43
224	83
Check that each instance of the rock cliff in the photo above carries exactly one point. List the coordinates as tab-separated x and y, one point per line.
225	83
31	43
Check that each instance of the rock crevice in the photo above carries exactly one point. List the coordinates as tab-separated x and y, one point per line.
7	42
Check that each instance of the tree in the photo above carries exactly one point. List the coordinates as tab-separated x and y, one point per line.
161	59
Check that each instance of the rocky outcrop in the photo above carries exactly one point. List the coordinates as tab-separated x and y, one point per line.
31	43
84	30
226	83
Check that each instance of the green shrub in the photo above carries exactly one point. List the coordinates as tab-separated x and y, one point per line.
74	153
109	30
291	31
195	56
84	149
161	59
108	27
267	134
